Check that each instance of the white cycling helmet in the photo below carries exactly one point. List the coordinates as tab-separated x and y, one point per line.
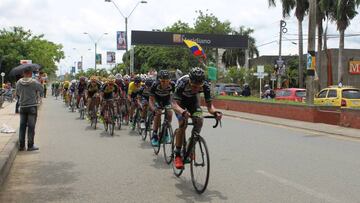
73	82
118	76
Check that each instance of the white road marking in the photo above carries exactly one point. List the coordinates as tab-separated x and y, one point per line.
299	187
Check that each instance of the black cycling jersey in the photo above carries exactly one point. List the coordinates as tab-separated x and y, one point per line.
162	96
184	92
144	93
81	87
92	89
109	90
158	93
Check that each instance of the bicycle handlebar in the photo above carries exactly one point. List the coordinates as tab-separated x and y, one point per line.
217	121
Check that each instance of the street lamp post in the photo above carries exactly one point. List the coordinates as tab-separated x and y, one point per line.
126	18
95	42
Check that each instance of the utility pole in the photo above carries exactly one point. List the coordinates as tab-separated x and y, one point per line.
280	61
311	60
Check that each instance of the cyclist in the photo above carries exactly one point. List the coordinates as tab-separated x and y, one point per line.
134	86
72	90
66	86
186	103
143	96
160	99
81	87
108	91
92	89
121	85
56	86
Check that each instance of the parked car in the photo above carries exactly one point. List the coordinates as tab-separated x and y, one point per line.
228	89
291	94
344	97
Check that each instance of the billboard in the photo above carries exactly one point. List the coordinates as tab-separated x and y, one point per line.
25	61
121	40
98	59
79	65
354	67
177	39
110	57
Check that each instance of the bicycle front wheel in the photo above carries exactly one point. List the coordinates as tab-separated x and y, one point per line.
167	145
200	165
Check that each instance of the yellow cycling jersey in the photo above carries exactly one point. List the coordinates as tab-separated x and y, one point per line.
66	84
133	87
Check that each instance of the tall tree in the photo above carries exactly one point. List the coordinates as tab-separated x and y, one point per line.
301	9
18	43
234	57
341	12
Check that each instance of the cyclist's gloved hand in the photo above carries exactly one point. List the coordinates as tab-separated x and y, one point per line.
185	114
218	115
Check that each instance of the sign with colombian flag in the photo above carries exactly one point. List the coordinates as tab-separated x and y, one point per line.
195	48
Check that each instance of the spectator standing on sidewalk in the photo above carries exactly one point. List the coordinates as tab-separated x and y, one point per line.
27	88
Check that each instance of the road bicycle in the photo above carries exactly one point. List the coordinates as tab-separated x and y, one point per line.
109	116
196	153
166	137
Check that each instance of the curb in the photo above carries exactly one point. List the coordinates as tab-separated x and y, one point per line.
7	157
287	125
292	126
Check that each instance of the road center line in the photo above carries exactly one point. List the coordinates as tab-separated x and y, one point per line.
299	187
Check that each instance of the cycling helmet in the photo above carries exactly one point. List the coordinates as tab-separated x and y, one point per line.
111	78
178	73
93	78
82	78
149	82
164	75
142	77
127	77
197	75
137	79
73	82
267	86
118	76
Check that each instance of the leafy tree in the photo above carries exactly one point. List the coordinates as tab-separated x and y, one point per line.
17	43
301	9
341	12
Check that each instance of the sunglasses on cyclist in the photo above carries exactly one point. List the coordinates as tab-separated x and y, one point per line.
164	80
196	85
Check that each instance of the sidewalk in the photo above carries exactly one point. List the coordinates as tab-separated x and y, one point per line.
8	142
316	127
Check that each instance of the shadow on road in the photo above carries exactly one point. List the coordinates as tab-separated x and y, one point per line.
189	194
159	162
145	145
41	182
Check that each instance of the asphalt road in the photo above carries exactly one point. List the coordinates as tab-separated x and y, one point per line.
250	162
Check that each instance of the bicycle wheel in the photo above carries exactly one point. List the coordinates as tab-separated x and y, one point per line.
119	120
167	145
72	104
149	125
81	108
94	117
200	165
112	123
133	124
177	172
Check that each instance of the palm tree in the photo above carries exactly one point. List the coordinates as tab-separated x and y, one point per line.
233	57
342	12
301	9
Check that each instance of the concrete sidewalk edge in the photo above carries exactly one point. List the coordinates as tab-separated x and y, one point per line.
275	121
291	126
7	157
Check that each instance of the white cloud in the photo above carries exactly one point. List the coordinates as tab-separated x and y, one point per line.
65	21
